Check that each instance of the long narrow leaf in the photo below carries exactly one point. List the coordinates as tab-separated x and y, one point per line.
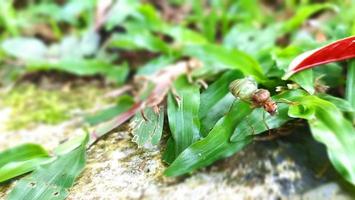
213	147
217	91
169	153
342	104
183	114
122	105
21	153
350	87
302	14
53	180
216	113
21	159
218	57
115	122
215	102
14	169
329	126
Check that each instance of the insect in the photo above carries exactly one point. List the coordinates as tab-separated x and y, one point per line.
247	90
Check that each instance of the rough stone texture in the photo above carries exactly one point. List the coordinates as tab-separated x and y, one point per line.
117	170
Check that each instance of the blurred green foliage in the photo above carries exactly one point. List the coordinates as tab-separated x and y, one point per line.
232	39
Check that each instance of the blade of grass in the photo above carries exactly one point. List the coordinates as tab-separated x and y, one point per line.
331	128
21	159
219	57
138	40
18	168
183	114
52	181
302	14
213	147
169	153
122	105
106	127
215	102
217	91
350	87
22	153
215	113
342	104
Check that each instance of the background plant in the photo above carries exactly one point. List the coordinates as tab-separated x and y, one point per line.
222	40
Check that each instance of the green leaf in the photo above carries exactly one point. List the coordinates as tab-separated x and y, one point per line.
116	74
71	144
283	58
332	74
329	127
217	91
155	65
21	159
83	67
147	129
350	87
213	147
25	48
52	181
251	39
8	18
342	104
184	36
216	101
18	168
209	25
22	153
122	105
217	58
305	80
303	13
183	114
120	11
148	17
215	113
169	153
249	11
72	9
137	40
259	121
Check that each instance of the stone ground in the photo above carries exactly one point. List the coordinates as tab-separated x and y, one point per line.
294	167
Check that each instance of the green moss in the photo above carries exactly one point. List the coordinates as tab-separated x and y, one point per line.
31	105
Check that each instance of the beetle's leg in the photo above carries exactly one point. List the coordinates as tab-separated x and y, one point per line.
230	108
282	100
176	95
143	115
202	83
265	123
250	125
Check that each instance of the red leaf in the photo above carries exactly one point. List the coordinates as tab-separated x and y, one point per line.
339	50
